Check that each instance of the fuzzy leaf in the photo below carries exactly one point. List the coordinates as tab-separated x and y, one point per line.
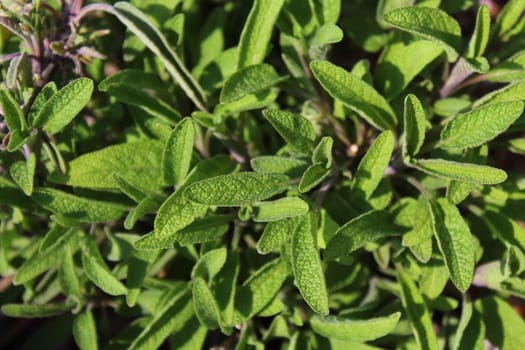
359	231
306	267
137	161
67	276
85	331
294	128
209	228
236	189
55	237
276	234
210	264
138	266
480	37
465	172
354	330
312	177
43	96
291	167
63	106
429	23
33	311
97	270
176	158
480	125
257	31
415	124
12	112
455	242
372	167
259	290
78	208
23	173
150	35
417	311
508	93
355	94
279	209
206	308
323	152
249	80
508	17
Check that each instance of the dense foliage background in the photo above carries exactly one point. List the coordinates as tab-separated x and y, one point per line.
296	174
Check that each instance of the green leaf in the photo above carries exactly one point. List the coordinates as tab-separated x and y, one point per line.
43	96
313	176
226	288
210	264
260	289
55	237
429	23
206	308
33	311
421	227
455	242
74	207
174	314
237	189
257	31
176	158
417	312
291	167
480	125
465	172
328	11
150	35
480	37
504	326
508	17
354	330
372	167
249	102
67	276
323	152
63	106
97	270
294	128
506	229
249	80
471	331
511	92
12	112
355	94
306	267
415	123
401	61
85	331
276	234
356	233
137	161
209	228
23	173
279	209
138	267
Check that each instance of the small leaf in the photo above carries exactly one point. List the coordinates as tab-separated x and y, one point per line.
422	228
356	233
137	161
506	229
455	242
257	31
276	234
279	209
226	288
313	176
138	267
23	173
323	152
63	106
508	17
415	124
372	167
355	94
74	207
176	158
210	264
85	331
480	37
206	308
259	290
508	93
97	270
55	237
237	189
294	128
43	96
12	112
67	276
480	125
354	330
33	311
417	311
465	172
209	228
291	167
429	23
249	80
306	267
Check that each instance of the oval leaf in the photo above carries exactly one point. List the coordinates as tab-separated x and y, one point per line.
279	209
355	94
85	331
294	128
176	158
204	303
33	311
415	124
465	172
480	37
237	189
